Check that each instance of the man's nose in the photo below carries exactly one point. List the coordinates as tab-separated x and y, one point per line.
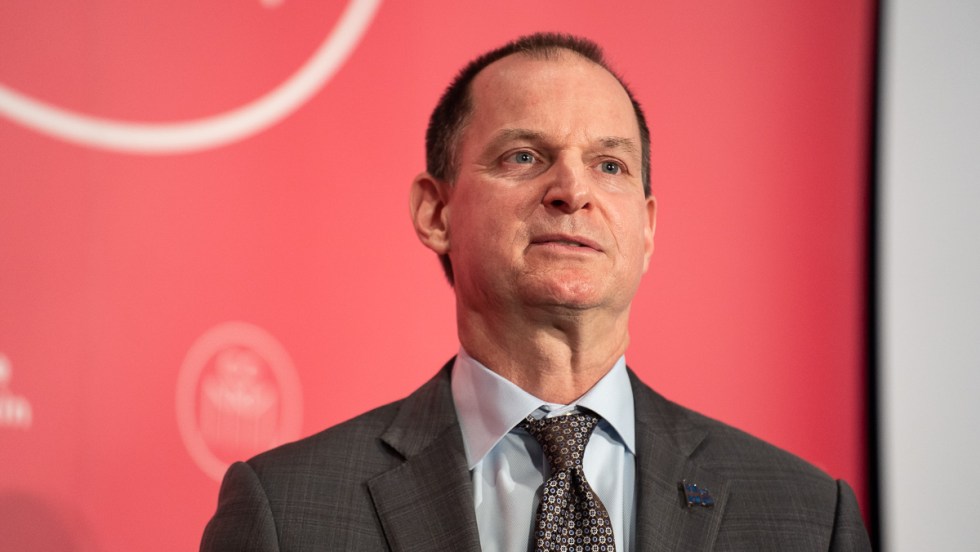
568	187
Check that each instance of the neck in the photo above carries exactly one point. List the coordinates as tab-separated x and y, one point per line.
555	356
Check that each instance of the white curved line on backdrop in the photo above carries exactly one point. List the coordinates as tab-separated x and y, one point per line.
207	132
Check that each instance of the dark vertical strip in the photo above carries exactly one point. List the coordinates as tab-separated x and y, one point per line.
872	287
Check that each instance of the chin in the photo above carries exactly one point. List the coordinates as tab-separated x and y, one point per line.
573	295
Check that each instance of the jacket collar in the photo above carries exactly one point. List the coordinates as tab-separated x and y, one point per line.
667	439
426	503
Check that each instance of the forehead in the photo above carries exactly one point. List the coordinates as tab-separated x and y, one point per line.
563	94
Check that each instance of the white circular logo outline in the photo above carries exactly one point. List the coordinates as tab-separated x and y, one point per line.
197	359
206	132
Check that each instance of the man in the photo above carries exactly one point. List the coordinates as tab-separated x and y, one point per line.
537	199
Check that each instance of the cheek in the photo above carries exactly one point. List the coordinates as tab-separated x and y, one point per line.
491	209
477	224
632	225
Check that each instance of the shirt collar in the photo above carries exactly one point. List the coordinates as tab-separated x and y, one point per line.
489	405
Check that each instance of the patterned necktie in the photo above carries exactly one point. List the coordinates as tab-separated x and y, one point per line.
570	517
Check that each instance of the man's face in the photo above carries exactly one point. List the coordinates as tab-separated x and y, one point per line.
548	207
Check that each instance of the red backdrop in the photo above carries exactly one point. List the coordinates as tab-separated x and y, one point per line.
205	247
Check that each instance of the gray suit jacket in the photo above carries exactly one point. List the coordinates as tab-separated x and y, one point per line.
396	479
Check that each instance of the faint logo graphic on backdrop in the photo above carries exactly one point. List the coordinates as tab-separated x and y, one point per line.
15	411
238	394
207	132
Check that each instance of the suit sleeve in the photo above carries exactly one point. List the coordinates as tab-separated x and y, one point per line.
849	532
244	519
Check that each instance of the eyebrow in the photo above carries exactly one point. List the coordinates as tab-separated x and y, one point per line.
606	142
614	142
516	134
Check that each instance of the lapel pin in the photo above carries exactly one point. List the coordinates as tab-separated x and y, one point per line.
695	495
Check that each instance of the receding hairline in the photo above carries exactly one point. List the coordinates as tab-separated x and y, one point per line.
553	54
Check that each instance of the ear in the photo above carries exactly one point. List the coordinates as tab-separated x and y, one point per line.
429	209
648	231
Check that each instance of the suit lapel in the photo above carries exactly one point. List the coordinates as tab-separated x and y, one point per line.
426	503
665	441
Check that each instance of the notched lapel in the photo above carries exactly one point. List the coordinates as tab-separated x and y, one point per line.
663	519
665	441
426	503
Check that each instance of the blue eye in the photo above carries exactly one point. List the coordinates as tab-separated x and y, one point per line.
523	158
610	167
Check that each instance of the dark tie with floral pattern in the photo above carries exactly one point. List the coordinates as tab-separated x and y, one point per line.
570	517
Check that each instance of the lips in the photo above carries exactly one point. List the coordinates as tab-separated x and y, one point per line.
565	240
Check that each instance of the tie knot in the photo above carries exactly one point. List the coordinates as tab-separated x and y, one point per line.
563	438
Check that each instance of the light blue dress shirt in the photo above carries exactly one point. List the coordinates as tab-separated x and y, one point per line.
507	465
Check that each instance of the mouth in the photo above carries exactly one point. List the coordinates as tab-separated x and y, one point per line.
566	241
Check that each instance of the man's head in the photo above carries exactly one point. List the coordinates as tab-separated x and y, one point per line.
547	206
452	113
